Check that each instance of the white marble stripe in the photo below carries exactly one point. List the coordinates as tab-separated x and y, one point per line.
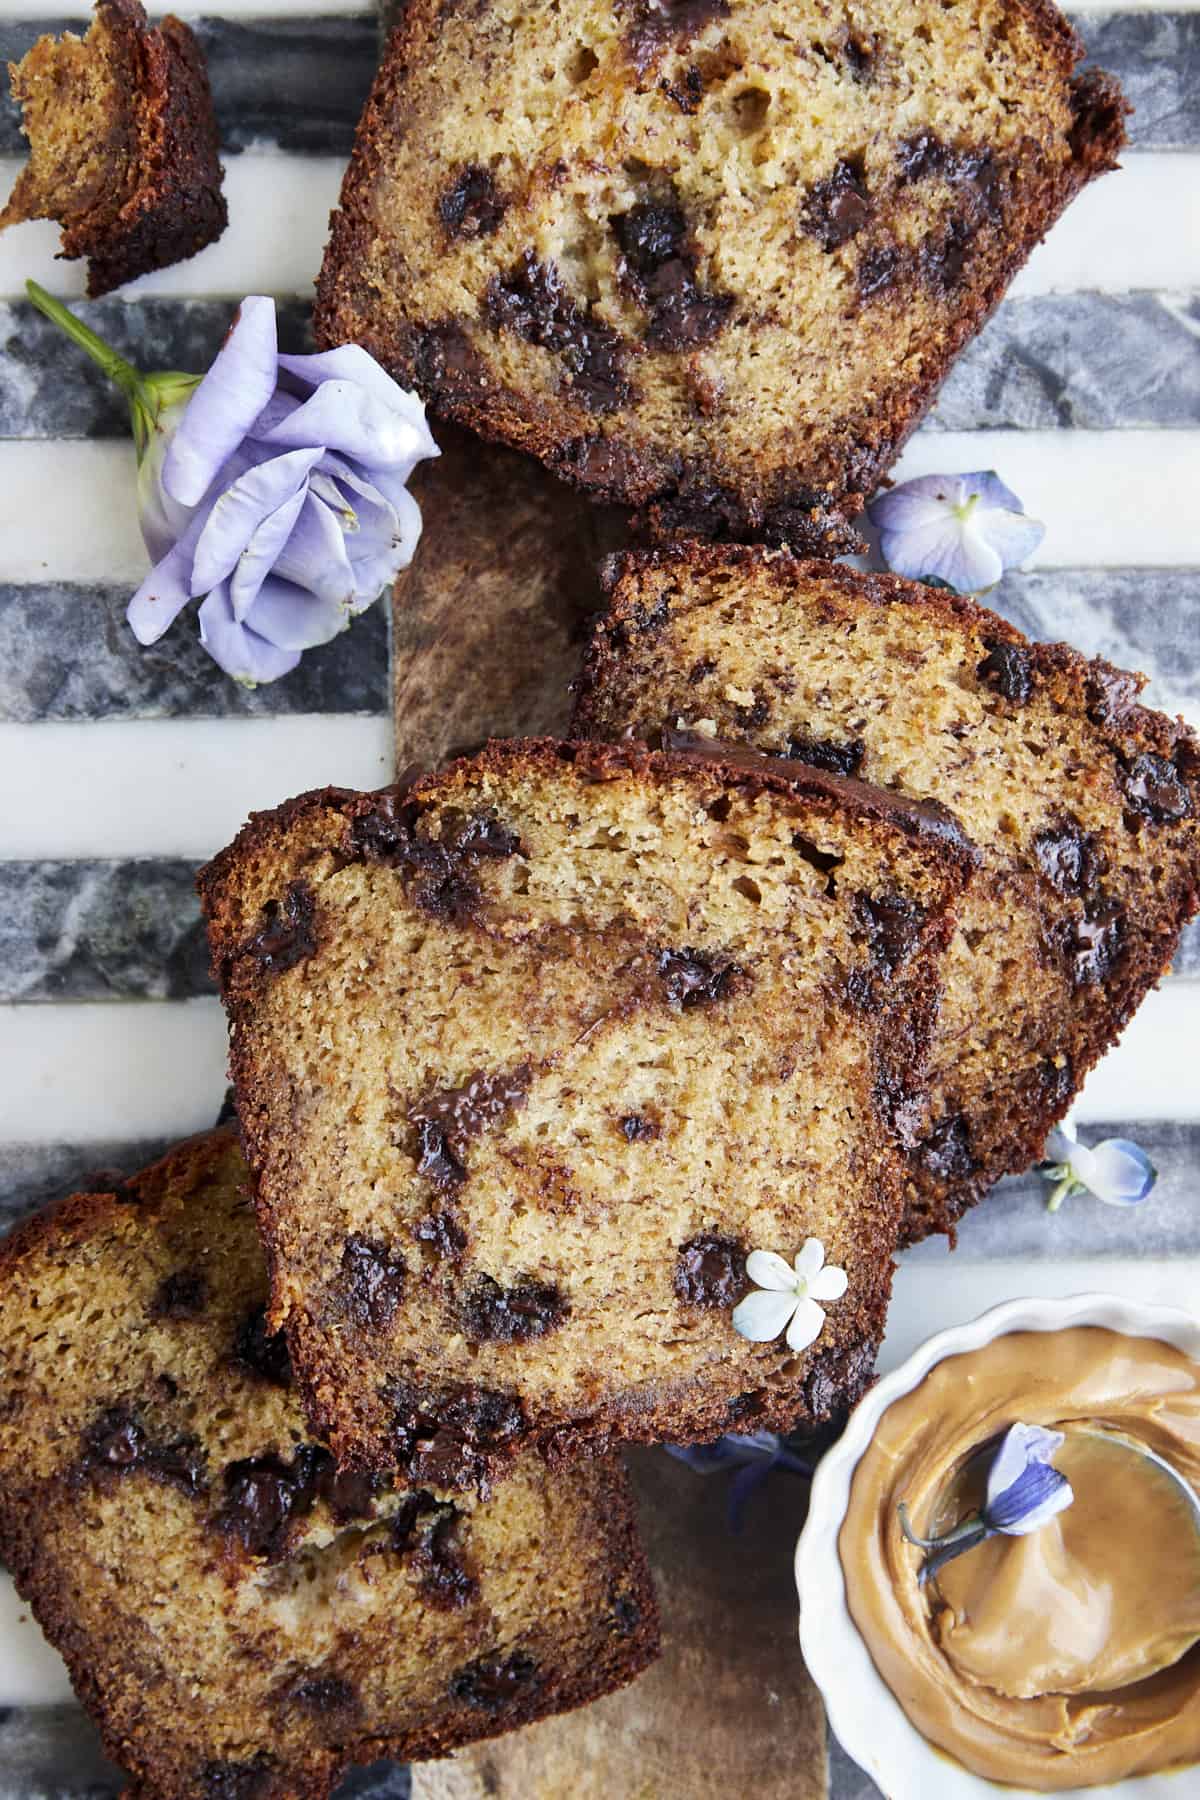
171	787
158	1068
1109	498
1137	228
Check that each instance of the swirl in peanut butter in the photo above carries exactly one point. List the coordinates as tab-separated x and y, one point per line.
1067	1658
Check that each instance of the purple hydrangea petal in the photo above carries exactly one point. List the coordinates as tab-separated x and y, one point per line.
1121	1174
962	530
240	509
946	549
226	403
293	618
1033	1498
241	652
1011	535
345	418
991	491
315	555
259	557
913	501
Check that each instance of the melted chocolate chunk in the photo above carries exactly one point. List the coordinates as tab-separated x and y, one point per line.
370	1284
445	360
182	1295
471	206
494	1682
447	1121
925	157
1154	789
263	1352
893	925
1069	857
440	869
1093	943
946	1152
117	1444
878	269
483	834
835	210
1111	693
710	1270
827	753
660	267
288	936
264	1494
1055	1083
236	1780
657	23
492	1314
443	1234
350	1492
446	1581
324	1694
687	93
444	1437
943	254
695	977
700	671
636	1128
1008	670
531	301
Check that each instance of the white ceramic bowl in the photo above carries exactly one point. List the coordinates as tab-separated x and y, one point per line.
865	1716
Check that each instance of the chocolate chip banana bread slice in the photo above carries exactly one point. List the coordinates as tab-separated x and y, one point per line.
529	1057
123	147
707	256
241	1619
1085	805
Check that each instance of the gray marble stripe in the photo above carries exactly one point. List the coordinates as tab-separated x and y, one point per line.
1086	361
66	653
94	930
300	83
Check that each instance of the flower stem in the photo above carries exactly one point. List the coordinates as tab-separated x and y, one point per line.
115	367
971	1531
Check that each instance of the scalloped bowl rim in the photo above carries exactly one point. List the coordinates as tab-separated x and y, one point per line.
864	1714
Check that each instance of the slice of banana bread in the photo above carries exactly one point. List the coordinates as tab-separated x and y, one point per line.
530	1055
1084	804
123	147
710	254
242	1620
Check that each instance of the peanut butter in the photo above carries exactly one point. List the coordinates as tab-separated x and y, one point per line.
1069	1657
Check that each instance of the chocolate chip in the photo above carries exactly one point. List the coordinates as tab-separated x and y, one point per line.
483	834
446	1581
447	1121
288	936
710	1270
859	54
1069	857
636	1128
324	1694
942	257
700	671
182	1295
445	360
351	1493
1111	693
117	1443
439	873
626	1614
471	206
660	267
370	1284
835	210
263	1352
696	977
893	924
946	1152
1093	943
1154	789
877	269
1008	670
751	718
531	301
827	753
657	23
925	157
443	1437
236	1780
492	1314
494	1682
443	1233
688	92
264	1494
1055	1084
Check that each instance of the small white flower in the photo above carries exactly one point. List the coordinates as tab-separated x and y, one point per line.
788	1296
1115	1171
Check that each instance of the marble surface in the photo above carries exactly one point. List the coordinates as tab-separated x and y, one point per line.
120	769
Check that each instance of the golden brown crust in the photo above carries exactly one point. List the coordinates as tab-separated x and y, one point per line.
91	1553
1139	873
799	494
369	1395
167	205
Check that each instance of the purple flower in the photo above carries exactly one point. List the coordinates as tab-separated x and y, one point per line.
1024	1492
957	531
755	1455
272	490
1116	1171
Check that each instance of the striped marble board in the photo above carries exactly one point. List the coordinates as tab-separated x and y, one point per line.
121	769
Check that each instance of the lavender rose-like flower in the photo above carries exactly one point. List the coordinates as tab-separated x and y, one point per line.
272	490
